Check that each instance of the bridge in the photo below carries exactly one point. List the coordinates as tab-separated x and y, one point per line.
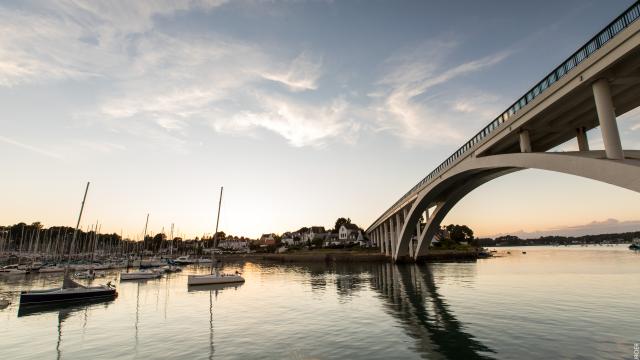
598	82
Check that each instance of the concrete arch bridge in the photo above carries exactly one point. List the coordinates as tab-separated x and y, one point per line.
597	83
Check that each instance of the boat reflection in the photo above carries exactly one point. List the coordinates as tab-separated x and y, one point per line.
64	310
35	309
213	287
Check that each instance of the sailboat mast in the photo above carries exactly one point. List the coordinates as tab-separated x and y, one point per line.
171	248
75	232
215	235
144	236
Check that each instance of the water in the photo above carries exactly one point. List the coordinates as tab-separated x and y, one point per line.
552	303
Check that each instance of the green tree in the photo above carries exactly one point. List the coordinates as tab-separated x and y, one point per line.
460	233
341	221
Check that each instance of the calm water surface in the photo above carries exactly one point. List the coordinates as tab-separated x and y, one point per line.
552	303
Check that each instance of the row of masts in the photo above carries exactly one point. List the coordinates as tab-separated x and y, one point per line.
55	242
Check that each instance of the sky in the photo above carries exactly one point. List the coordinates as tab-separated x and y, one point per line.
305	111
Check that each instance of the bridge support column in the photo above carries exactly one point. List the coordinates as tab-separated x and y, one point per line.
396	233
607	118
372	237
385	238
581	136
387	248
525	141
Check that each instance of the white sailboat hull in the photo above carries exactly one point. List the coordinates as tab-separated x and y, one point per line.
140	275
214	279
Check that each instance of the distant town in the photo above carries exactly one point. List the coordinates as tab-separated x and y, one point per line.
55	241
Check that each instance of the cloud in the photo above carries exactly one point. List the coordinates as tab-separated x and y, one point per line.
408	103
609	226
300	124
32	148
161	82
302	74
75	39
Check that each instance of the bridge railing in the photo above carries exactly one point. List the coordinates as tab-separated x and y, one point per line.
595	43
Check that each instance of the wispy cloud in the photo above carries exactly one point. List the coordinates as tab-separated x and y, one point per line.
31	148
72	39
408	103
161	81
301	124
302	74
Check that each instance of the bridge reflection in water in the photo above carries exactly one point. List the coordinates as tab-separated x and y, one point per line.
409	294
412	296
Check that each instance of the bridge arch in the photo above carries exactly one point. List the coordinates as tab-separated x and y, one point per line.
472	172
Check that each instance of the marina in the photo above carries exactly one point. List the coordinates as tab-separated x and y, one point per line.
307	304
402	180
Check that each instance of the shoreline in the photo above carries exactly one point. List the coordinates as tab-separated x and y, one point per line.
354	257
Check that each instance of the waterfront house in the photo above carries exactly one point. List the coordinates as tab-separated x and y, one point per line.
315	232
268	239
233	244
348	232
331	238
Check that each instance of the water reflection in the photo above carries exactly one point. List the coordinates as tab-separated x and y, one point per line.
213	289
410	295
413	297
64	312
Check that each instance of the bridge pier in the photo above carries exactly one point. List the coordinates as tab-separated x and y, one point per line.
607	118
386	238
525	141
583	142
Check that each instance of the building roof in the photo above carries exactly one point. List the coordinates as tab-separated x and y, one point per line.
317	229
350	226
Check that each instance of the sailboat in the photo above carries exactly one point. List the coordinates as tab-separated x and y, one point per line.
70	290
142	274
215	277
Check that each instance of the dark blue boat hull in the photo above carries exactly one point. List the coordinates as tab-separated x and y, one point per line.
27	298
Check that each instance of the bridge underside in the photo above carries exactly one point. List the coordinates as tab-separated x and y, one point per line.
408	234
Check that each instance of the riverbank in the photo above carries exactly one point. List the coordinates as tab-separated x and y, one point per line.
353	256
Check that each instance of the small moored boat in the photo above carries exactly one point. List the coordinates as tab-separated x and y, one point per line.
215	277
140	275
70	291
185	260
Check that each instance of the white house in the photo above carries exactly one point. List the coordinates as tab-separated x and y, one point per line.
348	232
315	232
233	244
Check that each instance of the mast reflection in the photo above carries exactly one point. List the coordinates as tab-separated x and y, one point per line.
213	289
